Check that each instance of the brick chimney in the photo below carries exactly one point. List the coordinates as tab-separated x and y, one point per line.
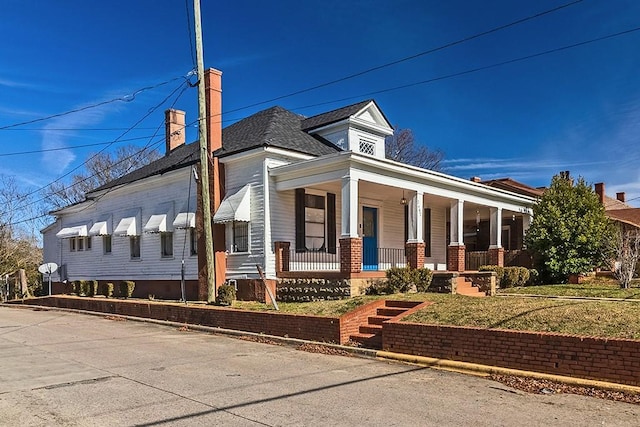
621	197
175	132
213	95
599	188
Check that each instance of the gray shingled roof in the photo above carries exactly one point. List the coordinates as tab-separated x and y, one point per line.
333	116
274	127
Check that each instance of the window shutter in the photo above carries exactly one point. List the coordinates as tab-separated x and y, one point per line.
300	232
331	223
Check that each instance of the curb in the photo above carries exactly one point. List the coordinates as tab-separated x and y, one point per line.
474	368
443	364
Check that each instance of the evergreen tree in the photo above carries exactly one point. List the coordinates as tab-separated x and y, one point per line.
570	233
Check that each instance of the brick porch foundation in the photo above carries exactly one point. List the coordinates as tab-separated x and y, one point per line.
415	254
456	261
350	255
496	256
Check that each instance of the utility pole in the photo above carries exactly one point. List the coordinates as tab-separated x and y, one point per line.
204	159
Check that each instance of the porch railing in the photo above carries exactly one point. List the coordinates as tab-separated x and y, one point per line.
513	258
389	258
314	261
474	259
380	260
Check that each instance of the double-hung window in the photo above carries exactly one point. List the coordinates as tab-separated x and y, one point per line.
166	245
315	220
134	247
106	244
240	231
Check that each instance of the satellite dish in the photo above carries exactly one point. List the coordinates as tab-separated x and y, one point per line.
48	268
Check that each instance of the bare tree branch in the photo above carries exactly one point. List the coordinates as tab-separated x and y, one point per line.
102	168
402	147
626	251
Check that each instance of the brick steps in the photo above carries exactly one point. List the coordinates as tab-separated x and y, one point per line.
370	334
377	320
465	287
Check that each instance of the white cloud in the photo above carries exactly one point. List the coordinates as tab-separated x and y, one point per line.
59	161
14	83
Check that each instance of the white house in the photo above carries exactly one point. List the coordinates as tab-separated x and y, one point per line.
300	197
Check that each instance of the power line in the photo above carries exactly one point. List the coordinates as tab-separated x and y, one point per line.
451	75
74	129
19	153
125	98
408	58
151	111
475	70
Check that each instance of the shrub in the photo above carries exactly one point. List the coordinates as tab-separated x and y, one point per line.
107	290
226	294
77	287
534	278
377	287
404	279
510	277
423	279
126	288
523	276
398	279
92	288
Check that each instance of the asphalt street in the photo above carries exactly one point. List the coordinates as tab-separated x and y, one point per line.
61	368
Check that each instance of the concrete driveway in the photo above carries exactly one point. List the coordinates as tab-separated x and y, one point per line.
59	368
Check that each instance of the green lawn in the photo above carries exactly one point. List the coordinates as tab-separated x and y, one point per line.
582	317
593	318
600	288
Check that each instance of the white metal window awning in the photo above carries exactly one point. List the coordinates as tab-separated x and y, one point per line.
185	220
100	228
156	224
69	232
127	227
236	207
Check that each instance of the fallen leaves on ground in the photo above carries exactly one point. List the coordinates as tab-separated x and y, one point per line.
262	340
536	386
115	318
323	349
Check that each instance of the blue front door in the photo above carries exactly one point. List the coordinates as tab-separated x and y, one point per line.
369	238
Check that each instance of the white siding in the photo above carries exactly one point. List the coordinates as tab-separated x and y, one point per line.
240	172
143	199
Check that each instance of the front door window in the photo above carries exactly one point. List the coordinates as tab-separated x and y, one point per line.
369	238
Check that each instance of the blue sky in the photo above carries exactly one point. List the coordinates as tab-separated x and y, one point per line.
576	109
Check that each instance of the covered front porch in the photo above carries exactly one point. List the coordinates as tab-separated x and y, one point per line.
356	217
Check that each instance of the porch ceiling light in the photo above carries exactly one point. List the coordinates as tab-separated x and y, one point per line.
403	201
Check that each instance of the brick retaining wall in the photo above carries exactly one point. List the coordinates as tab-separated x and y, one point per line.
314	328
615	360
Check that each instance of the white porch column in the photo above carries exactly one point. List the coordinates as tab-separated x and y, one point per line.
526	223
495	227
349	207
416	224
457	219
